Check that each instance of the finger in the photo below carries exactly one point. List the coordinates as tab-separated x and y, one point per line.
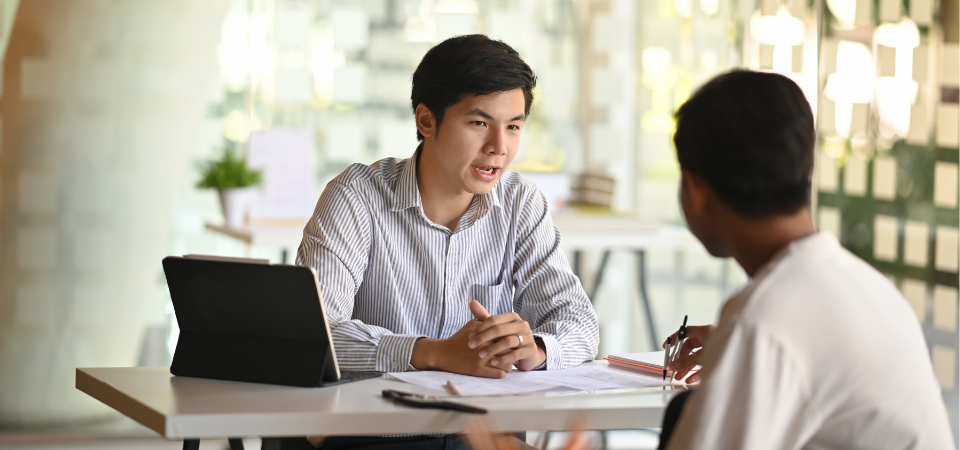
505	344
689	346
493	321
507	361
683	365
700	332
499	331
478	310
693	378
685	362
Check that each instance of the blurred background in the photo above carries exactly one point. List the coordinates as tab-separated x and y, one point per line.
112	112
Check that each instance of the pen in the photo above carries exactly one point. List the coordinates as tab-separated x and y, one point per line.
681	337
451	388
423	401
666	357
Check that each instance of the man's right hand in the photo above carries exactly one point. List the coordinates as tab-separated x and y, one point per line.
454	355
690	352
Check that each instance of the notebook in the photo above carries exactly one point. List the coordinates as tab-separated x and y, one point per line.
645	362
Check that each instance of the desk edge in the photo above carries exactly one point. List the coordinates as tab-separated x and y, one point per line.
112	397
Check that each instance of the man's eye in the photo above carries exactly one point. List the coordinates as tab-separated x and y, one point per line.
479	123
514	127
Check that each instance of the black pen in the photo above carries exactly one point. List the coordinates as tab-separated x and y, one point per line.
423	401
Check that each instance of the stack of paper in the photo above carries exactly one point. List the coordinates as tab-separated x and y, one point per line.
646	362
587	377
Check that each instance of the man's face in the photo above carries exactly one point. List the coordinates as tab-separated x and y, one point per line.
478	140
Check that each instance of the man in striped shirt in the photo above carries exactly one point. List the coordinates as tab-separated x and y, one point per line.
448	260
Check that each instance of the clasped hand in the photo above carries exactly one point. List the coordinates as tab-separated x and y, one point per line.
486	347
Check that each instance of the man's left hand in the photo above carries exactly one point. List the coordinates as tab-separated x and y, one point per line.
509	338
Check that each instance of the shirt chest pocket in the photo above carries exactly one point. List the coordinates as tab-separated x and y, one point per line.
497	299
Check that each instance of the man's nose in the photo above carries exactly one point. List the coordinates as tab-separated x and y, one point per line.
497	143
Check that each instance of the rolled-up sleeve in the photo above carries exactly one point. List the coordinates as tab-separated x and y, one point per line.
548	295
336	243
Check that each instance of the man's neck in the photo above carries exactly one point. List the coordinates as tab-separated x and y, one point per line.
755	242
443	204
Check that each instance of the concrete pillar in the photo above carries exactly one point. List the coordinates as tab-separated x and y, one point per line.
103	109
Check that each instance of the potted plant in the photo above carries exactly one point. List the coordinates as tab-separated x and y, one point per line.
235	182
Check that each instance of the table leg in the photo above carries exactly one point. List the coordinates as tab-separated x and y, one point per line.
598	279
235	444
191	444
645	298
270	444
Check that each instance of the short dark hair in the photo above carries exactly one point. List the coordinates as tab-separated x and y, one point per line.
469	65
750	135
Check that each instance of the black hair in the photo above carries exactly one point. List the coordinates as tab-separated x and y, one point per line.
750	135
469	65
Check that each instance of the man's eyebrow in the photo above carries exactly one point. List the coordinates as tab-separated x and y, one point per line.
485	115
481	113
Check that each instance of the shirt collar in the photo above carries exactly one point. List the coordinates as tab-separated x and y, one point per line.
408	194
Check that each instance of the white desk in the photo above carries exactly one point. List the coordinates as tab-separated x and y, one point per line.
196	408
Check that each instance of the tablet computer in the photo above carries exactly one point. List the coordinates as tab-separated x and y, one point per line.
244	321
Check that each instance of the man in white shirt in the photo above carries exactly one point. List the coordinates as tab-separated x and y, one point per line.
819	350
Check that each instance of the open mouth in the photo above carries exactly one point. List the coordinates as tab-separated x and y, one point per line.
486	170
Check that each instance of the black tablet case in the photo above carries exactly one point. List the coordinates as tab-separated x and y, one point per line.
249	322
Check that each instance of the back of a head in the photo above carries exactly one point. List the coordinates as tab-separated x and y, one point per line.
469	65
750	136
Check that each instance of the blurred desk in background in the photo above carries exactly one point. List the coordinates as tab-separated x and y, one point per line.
608	233
579	233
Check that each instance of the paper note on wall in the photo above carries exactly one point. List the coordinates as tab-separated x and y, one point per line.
945	308
288	158
915	291
885	238
948	125
915	243
884	177
827	174
828	220
945	365
945	176
855	177
948	240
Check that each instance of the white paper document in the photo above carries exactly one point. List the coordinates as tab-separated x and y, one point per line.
581	378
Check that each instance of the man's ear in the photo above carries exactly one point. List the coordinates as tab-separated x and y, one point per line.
426	121
699	194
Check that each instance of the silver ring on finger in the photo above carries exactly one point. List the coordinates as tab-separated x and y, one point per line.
520	336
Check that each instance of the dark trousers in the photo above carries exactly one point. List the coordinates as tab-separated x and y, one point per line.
671	416
448	442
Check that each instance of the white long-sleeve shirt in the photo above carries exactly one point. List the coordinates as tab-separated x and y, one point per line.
819	351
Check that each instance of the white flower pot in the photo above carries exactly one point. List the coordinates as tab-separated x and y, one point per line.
236	205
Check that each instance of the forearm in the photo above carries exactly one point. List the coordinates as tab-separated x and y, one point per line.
362	347
423	356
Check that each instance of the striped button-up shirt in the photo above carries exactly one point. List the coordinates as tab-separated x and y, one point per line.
388	275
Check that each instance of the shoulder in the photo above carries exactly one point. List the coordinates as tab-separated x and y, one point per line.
516	190
822	295
385	171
